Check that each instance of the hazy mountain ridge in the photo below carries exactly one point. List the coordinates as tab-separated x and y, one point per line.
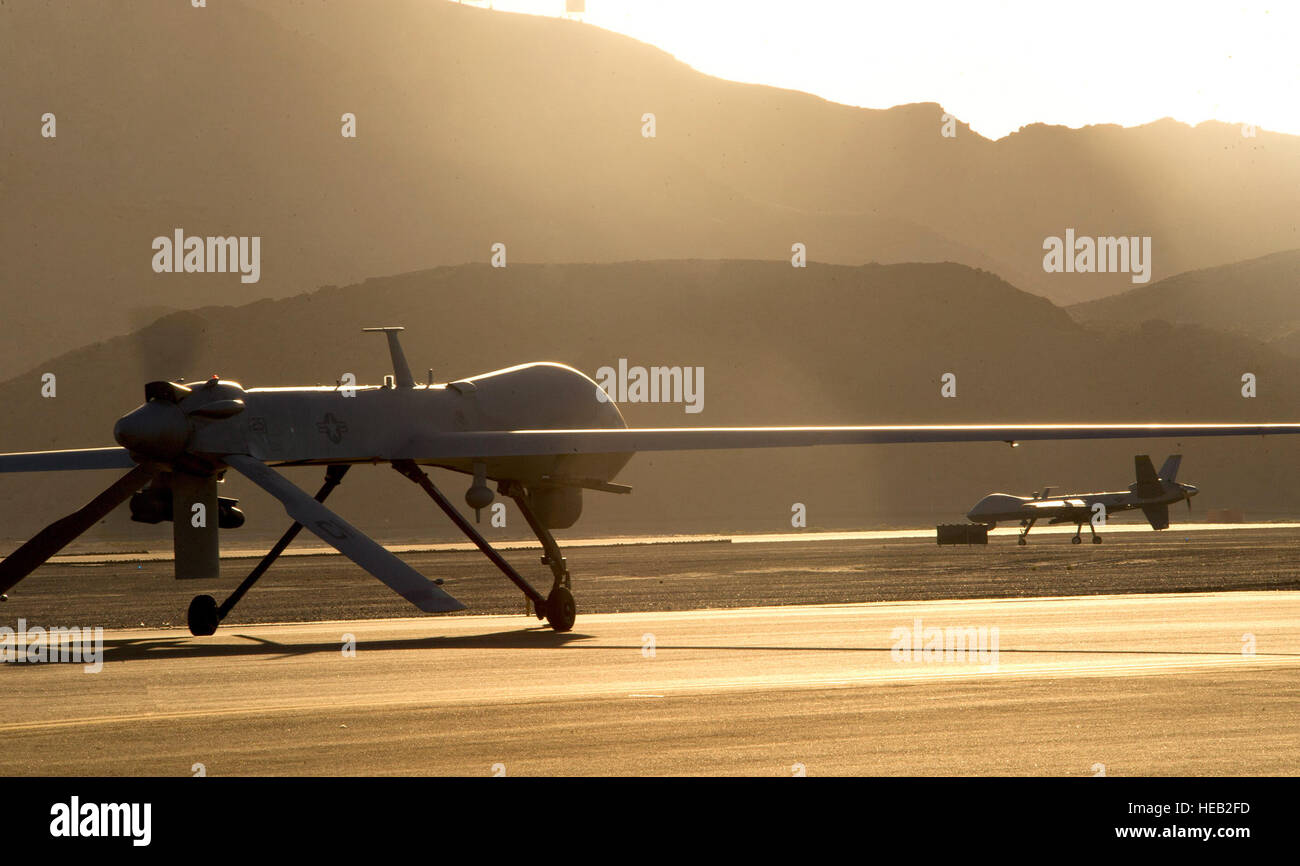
477	127
824	345
1259	298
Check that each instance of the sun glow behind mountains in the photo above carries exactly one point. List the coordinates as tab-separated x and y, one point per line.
995	65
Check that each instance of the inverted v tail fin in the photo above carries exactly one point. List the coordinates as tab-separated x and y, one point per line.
1157	515
1169	472
1148	483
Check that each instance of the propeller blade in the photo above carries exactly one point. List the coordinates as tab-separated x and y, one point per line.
60	533
345	538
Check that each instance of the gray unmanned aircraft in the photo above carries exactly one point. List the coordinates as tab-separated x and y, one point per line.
1151	492
543	432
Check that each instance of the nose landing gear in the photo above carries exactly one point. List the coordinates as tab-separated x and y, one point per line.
205	614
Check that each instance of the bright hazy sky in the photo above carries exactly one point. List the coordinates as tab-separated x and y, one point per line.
996	65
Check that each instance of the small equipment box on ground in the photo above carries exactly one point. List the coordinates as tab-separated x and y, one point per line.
962	533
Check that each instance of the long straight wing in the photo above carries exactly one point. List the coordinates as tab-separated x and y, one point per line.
522	443
83	458
347	539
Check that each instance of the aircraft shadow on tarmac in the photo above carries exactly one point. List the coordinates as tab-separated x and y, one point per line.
536	638
188	647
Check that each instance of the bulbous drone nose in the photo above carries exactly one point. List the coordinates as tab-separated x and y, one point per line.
157	429
1190	489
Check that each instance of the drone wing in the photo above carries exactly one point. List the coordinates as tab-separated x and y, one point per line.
84	458
522	443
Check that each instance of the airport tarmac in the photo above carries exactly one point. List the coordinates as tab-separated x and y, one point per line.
1201	683
689	574
770	657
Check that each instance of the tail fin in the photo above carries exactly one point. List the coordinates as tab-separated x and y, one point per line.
1157	515
1148	483
1169	472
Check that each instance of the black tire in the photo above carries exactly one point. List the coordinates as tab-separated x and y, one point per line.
561	611
202	616
1076	540
1021	542
1096	539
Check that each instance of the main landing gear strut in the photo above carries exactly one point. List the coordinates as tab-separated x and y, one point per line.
205	614
1025	526
558	607
1096	539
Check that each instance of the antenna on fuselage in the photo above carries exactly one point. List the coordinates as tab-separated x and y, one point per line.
401	370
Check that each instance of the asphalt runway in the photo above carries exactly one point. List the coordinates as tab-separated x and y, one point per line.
697	574
1155	684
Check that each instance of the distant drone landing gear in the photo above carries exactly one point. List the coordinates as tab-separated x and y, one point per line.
1078	531
205	614
557	608
1025	526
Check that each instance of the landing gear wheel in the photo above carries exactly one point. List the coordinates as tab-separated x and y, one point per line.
1076	540
202	616
1021	542
560	609
1096	539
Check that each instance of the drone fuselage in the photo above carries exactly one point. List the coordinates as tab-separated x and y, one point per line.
368	423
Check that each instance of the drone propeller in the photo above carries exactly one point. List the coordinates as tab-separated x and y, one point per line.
156	437
153	435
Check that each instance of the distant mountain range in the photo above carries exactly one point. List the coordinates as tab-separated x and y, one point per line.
828	344
475	127
1259	298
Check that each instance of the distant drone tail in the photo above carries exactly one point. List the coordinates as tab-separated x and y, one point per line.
1148	483
1157	515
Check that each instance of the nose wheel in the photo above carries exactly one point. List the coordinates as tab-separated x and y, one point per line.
205	614
203	617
